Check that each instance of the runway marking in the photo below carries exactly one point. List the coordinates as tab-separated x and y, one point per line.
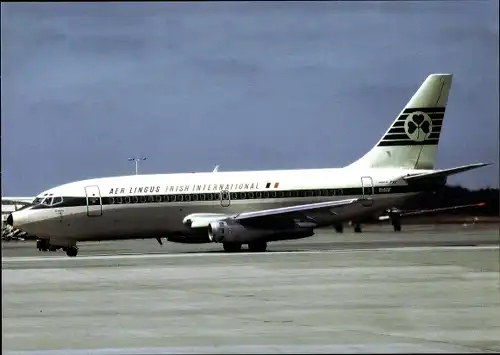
223	254
387	348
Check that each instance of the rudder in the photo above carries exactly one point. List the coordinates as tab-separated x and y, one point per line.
411	141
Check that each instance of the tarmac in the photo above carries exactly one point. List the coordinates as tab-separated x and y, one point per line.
426	289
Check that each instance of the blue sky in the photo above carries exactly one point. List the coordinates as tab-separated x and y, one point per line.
245	85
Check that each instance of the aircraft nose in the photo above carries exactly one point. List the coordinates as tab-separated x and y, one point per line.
10	220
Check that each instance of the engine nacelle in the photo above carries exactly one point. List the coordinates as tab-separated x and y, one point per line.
231	231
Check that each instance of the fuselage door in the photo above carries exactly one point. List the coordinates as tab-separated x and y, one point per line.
367	190
225	198
94	201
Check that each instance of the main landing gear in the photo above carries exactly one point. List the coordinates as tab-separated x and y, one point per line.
394	218
72	251
45	245
255	247
396	222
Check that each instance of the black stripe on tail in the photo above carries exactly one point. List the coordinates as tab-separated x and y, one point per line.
415	126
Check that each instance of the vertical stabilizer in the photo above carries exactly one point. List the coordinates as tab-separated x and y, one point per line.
411	141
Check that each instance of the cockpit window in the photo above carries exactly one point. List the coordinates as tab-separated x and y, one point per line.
47	201
56	200
37	200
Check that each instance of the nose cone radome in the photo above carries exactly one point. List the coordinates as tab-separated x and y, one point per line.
10	220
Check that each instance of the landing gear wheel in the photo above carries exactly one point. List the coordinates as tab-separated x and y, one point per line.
231	247
339	228
72	251
357	228
396	223
42	245
257	247
397	227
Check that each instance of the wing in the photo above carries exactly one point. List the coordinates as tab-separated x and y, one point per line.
308	215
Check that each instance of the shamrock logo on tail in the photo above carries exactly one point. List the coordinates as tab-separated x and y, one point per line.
418	126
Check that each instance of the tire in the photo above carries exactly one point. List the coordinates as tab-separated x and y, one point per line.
257	247
231	247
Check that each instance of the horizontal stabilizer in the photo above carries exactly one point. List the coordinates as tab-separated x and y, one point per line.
445	172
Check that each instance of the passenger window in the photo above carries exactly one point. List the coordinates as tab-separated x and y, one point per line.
158	198
187	197
127	199
135	199
118	200
224	195
142	199
111	200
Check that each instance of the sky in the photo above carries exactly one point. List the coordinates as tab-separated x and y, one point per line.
249	86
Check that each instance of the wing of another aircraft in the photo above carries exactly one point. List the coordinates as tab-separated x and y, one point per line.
407	213
18	200
308	215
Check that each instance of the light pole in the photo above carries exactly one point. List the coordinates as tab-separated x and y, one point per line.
136	163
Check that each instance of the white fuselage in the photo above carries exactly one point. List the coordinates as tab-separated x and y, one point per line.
147	206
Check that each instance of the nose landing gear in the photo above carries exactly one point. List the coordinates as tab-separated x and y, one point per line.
43	245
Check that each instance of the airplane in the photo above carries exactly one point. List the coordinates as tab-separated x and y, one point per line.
395	216
249	208
10	204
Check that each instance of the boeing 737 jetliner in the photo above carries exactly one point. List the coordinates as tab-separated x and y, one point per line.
249	207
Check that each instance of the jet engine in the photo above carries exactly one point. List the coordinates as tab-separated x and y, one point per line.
231	231
228	231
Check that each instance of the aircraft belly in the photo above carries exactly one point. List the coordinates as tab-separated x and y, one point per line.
160	220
